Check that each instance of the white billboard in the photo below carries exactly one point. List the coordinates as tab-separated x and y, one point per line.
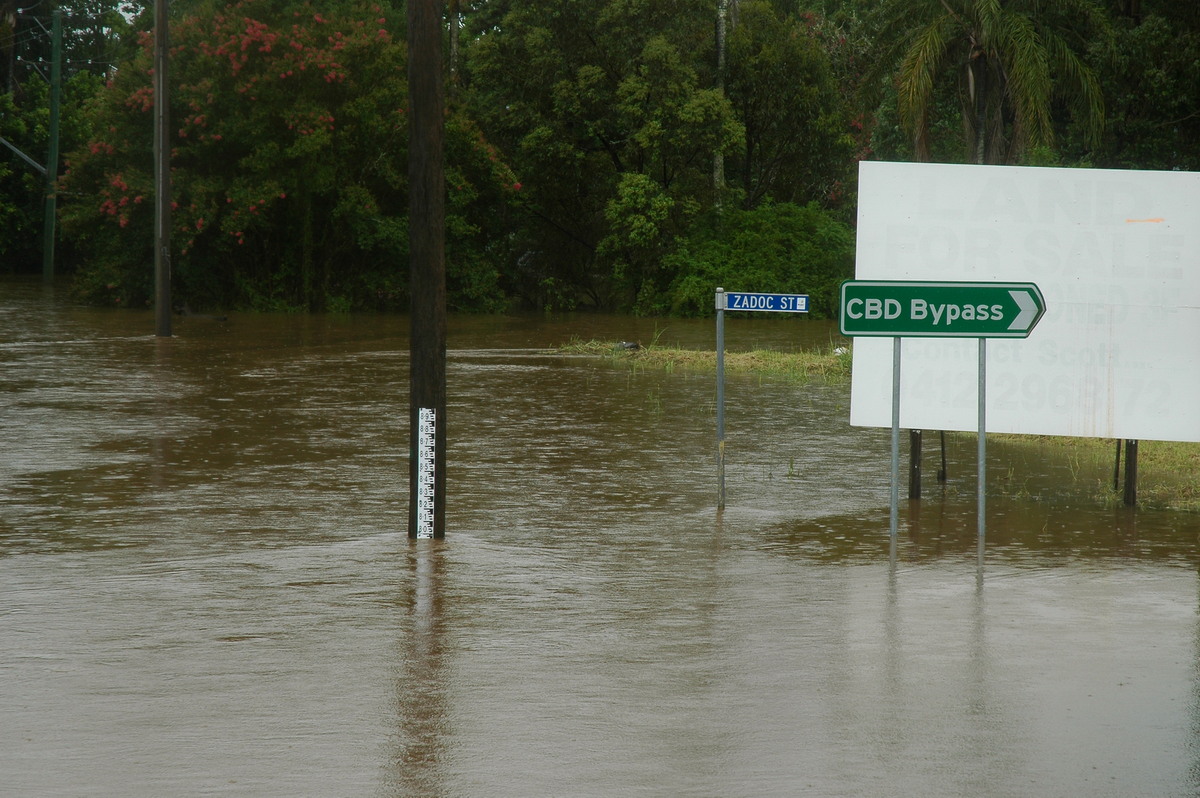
1116	255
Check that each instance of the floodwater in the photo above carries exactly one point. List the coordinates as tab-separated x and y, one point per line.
206	587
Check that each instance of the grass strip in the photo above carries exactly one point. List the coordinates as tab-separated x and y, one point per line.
831	365
1168	471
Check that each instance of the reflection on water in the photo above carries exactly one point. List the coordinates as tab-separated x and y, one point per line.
205	585
422	706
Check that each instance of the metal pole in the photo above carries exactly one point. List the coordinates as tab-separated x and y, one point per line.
162	175
51	171
895	519
982	466
720	398
427	271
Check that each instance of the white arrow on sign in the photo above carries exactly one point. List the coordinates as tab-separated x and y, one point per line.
1028	307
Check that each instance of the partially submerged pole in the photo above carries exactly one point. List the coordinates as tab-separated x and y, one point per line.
914	464
720	398
427	272
1131	472
51	170
982	451
162	176
894	524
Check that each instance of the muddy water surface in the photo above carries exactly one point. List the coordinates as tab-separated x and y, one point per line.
205	586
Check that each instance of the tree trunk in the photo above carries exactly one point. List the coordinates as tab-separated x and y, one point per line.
718	176
452	14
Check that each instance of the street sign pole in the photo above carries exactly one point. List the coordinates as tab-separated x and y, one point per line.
982	452
751	301
720	398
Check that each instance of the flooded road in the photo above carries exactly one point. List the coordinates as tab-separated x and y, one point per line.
206	587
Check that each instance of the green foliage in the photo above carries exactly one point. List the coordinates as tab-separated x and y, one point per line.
797	146
25	124
641	222
594	154
604	112
1011	63
289	169
21	187
782	248
612	114
1151	78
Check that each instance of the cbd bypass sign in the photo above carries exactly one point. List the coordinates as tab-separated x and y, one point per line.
903	308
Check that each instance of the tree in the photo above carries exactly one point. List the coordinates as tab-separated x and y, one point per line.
608	113
774	247
1012	60
1151	79
797	147
289	167
92	36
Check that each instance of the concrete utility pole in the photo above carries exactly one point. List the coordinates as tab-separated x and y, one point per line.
162	176
427	269
51	171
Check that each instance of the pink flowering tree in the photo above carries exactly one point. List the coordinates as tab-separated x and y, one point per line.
289	167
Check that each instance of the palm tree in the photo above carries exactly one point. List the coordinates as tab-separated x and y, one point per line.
1011	58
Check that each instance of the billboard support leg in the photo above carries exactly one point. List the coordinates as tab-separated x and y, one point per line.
895	501
914	465
941	474
1131	468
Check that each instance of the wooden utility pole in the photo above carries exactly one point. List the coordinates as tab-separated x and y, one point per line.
427	270
162	176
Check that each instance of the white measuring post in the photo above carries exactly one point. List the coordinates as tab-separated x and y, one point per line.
741	300
426	470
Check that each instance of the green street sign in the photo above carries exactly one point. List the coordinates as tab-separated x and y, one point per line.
919	309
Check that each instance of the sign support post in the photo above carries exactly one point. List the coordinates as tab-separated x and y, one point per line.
720	398
740	300
895	503
982	451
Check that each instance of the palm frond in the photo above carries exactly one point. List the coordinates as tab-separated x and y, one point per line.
1027	72
1015	57
1084	95
927	52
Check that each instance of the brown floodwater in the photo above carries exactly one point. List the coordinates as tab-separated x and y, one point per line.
206	587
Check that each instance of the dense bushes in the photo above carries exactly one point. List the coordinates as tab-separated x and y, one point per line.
289	169
781	248
596	155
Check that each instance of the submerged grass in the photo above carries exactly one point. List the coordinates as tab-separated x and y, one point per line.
1168	472
831	365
